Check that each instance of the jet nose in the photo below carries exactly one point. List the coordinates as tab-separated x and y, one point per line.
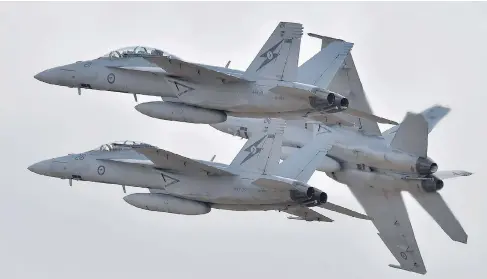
42	168
47	76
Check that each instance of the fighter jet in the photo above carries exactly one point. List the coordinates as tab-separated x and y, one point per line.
181	185
375	166
198	93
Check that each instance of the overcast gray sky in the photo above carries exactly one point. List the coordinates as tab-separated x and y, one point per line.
409	56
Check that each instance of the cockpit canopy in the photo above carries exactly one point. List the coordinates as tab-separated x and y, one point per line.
137	51
121	145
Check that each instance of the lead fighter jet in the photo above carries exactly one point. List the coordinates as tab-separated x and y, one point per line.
253	181
198	93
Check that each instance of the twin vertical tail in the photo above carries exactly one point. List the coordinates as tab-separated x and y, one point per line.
412	137
345	81
262	152
278	58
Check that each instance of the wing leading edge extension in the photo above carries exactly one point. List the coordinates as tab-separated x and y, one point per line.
169	161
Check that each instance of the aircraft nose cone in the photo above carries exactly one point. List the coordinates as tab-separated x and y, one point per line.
53	76
41	168
47	76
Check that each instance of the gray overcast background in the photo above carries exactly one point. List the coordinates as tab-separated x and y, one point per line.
409	56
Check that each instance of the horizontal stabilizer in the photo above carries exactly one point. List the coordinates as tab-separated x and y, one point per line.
306	214
369	116
345	211
437	208
451	174
330	119
412	135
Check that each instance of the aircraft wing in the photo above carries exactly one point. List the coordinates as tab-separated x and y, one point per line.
390	217
172	162
306	214
180	69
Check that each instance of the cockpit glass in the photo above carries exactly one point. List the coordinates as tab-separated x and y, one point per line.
121	145
137	51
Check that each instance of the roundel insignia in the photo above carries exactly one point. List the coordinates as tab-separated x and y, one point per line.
253	150
404	256
270	55
101	170
111	78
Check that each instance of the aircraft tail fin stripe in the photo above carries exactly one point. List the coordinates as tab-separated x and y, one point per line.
412	135
262	152
278	59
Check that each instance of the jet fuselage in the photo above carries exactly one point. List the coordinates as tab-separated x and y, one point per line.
117	75
128	168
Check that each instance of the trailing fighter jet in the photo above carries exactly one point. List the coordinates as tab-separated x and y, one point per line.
191	187
375	166
198	93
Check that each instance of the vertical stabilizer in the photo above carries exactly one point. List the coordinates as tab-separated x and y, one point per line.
301	165
347	82
412	135
320	69
262	152
433	116
278	58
